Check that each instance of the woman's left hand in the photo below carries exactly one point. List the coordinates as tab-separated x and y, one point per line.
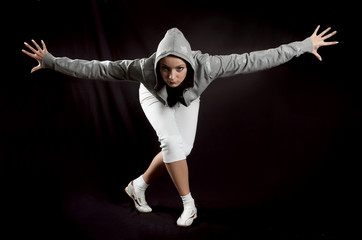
318	40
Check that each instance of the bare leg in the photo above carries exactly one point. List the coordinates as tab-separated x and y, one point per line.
180	176
179	173
156	168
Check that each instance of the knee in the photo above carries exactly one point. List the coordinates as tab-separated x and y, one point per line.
174	149
187	149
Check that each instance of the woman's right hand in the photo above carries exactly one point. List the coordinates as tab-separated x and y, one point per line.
37	54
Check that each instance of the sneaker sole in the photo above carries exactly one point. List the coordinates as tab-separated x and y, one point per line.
192	217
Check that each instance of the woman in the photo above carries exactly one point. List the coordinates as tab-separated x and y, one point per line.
172	80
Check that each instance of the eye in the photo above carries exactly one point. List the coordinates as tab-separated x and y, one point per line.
179	69
164	68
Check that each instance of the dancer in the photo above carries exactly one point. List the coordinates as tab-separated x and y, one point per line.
171	82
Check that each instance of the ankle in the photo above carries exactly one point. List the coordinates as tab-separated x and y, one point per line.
146	178
188	201
140	184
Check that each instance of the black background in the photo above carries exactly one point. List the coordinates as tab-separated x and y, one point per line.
275	153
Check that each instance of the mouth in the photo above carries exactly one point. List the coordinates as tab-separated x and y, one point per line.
172	83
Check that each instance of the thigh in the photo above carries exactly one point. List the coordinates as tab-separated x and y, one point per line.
161	117
166	121
186	120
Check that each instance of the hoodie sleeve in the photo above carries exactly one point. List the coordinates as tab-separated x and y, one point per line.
104	70
230	65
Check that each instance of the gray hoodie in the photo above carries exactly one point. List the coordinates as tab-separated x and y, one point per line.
206	68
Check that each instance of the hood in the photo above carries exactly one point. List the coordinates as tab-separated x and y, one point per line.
174	43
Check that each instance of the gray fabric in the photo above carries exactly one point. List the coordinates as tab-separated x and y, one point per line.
206	67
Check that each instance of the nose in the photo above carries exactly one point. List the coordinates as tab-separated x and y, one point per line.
172	75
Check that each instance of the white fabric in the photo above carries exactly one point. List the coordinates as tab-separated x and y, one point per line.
175	126
140	184
188	202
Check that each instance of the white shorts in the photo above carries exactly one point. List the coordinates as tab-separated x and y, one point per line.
175	126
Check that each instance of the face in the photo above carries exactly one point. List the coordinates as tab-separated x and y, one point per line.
173	70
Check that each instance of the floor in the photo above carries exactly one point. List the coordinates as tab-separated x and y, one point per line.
91	215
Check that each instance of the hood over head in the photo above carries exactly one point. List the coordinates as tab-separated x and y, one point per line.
174	43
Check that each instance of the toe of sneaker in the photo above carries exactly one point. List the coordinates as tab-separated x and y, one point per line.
144	209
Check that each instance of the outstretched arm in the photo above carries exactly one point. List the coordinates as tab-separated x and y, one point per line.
233	64
105	70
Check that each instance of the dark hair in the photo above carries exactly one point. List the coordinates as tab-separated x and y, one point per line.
189	79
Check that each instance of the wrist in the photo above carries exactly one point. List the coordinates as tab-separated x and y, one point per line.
48	61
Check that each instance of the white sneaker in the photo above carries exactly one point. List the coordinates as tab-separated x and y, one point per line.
139	201
187	217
